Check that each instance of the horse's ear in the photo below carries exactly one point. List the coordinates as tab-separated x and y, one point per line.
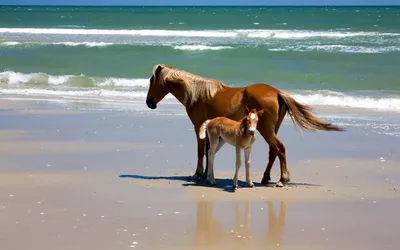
246	109
171	66
260	112
158	70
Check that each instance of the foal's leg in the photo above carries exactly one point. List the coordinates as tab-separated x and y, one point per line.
207	142
211	155
221	143
238	163
247	161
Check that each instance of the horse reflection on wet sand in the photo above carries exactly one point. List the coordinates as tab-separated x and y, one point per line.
210	232
206	98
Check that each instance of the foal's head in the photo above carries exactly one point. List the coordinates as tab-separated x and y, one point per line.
251	120
157	89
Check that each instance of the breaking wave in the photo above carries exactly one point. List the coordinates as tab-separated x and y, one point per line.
128	89
251	33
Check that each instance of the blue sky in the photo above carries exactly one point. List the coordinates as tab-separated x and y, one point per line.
200	2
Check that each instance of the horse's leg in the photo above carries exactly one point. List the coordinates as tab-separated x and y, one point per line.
238	163
281	152
271	159
277	146
200	155
272	154
247	153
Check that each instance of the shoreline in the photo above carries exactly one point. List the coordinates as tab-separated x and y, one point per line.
72	179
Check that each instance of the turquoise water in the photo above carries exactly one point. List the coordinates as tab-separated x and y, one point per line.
348	57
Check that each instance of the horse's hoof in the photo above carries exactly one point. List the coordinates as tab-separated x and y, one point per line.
251	185
212	184
197	176
279	184
265	181
235	188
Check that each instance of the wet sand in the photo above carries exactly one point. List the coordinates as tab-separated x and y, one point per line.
73	179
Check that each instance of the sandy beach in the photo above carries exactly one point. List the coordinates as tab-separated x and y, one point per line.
82	179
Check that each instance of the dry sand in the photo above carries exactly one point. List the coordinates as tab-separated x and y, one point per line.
91	180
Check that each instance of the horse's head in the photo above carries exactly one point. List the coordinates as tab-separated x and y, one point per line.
251	119
157	89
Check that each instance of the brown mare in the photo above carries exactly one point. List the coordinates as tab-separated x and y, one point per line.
206	98
240	134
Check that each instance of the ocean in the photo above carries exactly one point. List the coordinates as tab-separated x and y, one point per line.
346	58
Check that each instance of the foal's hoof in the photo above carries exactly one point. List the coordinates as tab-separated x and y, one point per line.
279	184
251	184
235	188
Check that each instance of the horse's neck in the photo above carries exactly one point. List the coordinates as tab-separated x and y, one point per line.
178	91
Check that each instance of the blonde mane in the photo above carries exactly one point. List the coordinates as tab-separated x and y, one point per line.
195	87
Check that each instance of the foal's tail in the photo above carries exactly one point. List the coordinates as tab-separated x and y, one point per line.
301	115
203	129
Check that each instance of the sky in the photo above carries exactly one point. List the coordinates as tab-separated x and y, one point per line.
200	2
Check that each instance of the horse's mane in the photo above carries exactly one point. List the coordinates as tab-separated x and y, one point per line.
196	87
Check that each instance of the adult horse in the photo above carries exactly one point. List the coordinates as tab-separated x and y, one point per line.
206	98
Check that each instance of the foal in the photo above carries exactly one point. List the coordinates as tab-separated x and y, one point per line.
240	134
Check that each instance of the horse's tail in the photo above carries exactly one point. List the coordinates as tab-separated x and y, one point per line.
301	115
203	129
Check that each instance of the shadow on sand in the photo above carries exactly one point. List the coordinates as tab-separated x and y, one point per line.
223	184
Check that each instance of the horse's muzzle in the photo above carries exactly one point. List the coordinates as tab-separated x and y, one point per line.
150	103
252	131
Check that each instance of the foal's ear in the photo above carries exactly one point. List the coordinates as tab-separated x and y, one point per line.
246	110
260	112
170	66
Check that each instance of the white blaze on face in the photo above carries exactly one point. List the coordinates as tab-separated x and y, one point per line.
252	117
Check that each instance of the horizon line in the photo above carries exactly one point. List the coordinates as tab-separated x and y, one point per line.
223	5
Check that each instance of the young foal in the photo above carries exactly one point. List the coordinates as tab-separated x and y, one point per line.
240	134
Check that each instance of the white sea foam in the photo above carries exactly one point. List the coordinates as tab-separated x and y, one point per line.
86	44
97	95
336	99
252	33
106	44
128	89
200	47
14	78
338	48
10	43
73	44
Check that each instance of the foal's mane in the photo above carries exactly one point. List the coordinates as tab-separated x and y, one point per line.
243	125
195	87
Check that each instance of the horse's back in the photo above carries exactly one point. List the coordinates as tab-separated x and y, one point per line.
261	96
